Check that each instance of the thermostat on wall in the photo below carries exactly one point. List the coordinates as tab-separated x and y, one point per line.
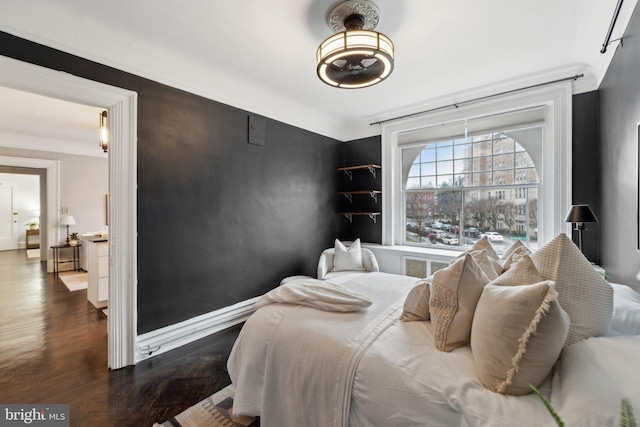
257	130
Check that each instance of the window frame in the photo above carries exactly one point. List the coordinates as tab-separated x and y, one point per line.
553	167
499	188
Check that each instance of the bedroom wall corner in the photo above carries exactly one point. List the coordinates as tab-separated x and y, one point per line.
360	152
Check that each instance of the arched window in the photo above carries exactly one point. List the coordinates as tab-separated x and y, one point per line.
457	190
537	119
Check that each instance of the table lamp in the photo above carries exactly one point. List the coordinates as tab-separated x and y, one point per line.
67	220
578	215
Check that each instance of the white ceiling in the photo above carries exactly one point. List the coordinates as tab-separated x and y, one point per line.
36	122
260	55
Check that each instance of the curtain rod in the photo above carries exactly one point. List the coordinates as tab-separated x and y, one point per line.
458	104
614	18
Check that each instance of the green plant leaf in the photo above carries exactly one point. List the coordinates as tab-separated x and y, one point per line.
626	414
553	413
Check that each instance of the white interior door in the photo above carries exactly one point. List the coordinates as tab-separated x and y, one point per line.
9	227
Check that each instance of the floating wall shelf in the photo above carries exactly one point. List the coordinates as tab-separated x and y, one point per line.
372	215
370	167
372	193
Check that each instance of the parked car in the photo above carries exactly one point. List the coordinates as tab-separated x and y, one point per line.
450	239
493	236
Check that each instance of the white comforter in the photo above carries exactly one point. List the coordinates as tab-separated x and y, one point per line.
338	374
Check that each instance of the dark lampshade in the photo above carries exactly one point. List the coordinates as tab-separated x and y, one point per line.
580	213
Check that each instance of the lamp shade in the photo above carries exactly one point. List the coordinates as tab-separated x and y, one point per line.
580	213
67	220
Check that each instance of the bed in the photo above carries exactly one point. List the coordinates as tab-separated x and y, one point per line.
354	362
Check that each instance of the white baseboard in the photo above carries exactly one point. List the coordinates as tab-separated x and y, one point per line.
173	336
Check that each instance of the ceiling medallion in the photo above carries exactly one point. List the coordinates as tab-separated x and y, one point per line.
356	56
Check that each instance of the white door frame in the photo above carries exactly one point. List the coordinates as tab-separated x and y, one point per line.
53	197
122	106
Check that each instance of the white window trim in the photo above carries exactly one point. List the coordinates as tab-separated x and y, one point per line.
554	172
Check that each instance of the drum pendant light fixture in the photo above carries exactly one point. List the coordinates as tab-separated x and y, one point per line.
355	56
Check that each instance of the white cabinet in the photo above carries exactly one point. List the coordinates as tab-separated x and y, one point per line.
98	263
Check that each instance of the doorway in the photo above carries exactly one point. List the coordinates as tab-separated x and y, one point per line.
20	204
122	107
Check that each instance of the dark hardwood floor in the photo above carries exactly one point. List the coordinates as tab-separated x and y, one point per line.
53	349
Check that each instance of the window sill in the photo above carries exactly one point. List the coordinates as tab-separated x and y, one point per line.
419	251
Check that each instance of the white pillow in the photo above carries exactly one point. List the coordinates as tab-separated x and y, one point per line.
479	245
518	333
513	254
484	243
416	305
488	264
626	310
454	294
583	293
347	259
523	272
515	245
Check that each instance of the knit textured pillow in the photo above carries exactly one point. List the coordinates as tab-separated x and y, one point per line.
583	293
518	333
454	295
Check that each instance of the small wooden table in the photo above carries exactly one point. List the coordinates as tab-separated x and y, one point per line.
56	257
36	244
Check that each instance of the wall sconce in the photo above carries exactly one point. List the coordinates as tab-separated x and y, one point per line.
104	135
578	215
67	220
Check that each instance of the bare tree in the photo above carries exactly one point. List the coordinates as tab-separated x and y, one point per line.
533	213
508	210
420	206
448	204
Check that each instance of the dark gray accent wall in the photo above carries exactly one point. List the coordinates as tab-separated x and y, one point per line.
586	168
219	220
619	116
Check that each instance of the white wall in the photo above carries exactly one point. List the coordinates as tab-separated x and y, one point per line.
84	182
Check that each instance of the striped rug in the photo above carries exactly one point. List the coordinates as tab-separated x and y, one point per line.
214	411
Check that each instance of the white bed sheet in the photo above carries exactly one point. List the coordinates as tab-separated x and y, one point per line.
403	380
